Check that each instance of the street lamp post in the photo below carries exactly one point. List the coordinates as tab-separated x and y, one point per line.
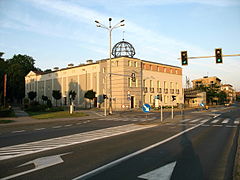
110	28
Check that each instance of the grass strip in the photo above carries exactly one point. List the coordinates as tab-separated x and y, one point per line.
60	114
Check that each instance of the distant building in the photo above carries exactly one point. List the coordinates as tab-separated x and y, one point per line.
194	98
206	81
231	93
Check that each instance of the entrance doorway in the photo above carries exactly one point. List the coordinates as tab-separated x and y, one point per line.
132	102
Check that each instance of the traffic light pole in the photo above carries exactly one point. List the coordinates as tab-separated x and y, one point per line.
197	57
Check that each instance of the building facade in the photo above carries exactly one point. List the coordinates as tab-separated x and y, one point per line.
206	81
231	93
151	79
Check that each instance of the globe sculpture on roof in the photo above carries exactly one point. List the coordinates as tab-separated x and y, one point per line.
123	49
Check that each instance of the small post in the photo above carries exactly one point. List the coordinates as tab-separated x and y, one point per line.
172	110
161	113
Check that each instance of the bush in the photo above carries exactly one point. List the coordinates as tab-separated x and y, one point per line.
36	108
6	112
49	103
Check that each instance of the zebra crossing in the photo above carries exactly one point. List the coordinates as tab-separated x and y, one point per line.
48	144
218	122
129	119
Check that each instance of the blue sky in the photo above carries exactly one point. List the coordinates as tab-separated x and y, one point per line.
58	32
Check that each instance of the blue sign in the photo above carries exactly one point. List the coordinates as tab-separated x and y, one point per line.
146	108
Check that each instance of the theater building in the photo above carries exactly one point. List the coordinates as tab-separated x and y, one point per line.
150	79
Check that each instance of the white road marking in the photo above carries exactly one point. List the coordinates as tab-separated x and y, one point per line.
225	121
68	125
39	129
236	122
206	125
217	115
113	163
215	121
216	125
231	126
48	144
39	163
162	173
203	121
56	127
18	131
196	120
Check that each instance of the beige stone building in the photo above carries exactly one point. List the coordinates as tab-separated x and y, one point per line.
206	81
231	93
152	79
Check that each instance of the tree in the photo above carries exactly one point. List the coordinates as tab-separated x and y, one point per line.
17	68
44	98
212	92
222	97
90	94
56	95
32	95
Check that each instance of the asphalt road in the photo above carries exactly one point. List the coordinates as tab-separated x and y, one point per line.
199	145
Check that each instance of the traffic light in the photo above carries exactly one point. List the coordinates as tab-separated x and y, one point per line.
184	58
133	77
173	98
218	55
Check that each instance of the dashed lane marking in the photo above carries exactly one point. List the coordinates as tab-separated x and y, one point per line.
19	131
39	129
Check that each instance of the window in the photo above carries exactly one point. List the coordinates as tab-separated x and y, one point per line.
158	84
165	85
144	83
176	71
150	99
150	67
129	82
104	70
135	64
151	84
171	71
164	69
129	63
116	63
171	85
158	68
136	82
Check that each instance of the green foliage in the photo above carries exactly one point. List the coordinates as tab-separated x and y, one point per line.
49	103
90	94
32	95
56	95
16	69
6	112
44	98
213	93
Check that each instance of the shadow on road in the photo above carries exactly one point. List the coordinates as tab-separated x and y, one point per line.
188	165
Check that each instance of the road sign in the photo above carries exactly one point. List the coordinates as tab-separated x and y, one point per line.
146	108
